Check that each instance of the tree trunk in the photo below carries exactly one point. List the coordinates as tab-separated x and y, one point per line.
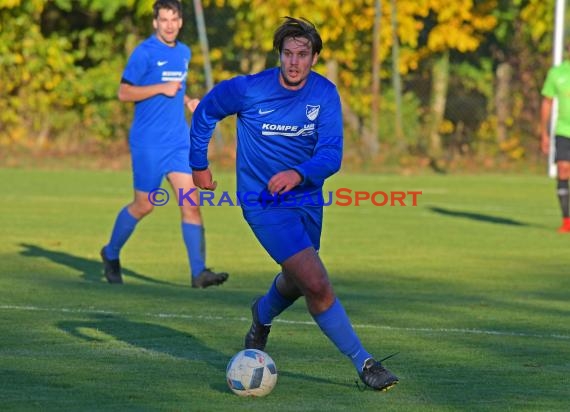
397	80
370	139
350	118
252	62
440	84
502	101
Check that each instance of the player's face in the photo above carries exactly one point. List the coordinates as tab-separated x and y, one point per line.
297	59
167	25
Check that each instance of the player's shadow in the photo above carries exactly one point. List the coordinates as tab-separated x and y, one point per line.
477	217
151	337
308	378
91	270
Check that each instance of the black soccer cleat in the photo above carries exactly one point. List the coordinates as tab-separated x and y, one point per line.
111	269
208	278
377	376
256	337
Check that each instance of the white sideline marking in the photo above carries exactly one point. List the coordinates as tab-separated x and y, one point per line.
291	322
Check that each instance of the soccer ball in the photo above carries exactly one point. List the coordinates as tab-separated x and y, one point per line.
251	372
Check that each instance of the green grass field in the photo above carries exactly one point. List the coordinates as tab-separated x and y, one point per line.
471	287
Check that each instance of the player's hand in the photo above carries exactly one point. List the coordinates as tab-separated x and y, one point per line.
171	88
191	104
545	142
283	182
203	179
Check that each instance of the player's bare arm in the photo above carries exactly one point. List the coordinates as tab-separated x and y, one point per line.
284	181
545	111
131	93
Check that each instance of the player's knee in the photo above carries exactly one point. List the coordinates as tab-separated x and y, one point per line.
191	214
563	170
319	300
318	288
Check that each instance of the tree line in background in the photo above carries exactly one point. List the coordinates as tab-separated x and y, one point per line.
432	81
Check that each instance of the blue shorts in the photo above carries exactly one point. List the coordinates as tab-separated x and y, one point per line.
151	165
283	232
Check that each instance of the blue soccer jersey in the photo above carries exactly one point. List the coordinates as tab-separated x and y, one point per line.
277	129
158	122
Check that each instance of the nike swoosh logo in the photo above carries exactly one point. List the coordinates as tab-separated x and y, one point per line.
262	112
159	63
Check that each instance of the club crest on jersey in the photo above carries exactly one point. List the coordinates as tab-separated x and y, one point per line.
312	112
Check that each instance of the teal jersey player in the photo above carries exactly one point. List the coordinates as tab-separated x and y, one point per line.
557	86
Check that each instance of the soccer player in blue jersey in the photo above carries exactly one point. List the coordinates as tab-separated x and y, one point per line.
155	80
289	140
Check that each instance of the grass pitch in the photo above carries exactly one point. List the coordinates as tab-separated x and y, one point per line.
471	287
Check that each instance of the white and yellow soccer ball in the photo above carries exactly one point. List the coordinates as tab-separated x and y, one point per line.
251	372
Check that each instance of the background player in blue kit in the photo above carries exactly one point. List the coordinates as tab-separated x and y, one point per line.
289	140
155	79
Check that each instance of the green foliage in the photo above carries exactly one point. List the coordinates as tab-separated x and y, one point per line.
34	68
62	71
61	60
411	118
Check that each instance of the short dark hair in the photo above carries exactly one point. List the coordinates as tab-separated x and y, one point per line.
174	5
293	27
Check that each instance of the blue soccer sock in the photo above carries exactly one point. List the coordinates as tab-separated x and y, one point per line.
124	227
336	326
272	304
195	247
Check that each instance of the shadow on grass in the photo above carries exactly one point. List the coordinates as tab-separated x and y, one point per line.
307	378
91	270
477	217
149	337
